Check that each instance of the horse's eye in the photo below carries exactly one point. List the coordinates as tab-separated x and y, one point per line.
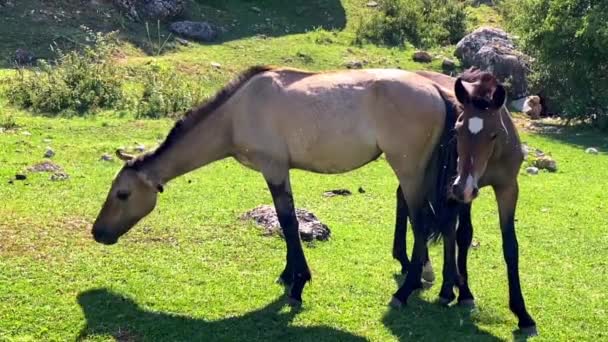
123	195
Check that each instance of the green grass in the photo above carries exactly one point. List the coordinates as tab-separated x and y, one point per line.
193	271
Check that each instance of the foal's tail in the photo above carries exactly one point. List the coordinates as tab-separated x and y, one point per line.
443	208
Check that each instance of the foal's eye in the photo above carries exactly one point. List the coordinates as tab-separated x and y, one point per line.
123	195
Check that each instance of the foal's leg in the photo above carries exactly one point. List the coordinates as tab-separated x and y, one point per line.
464	237
400	238
296	271
448	227
506	196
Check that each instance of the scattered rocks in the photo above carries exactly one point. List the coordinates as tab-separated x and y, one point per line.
196	30
422	57
493	50
106	157
309	225
216	65
546	163
354	65
49	153
532	170
45	166
23	57
20	177
591	150
337	192
372	4
532	107
448	64
59	176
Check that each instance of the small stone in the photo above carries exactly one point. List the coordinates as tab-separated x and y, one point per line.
59	176
49	153
309	226
26	133
354	65
448	64
361	190
372	4
106	157
140	148
46	141
546	163
20	177
532	170
255	9
474	244
592	150
182	41
422	57
24	57
337	192
216	65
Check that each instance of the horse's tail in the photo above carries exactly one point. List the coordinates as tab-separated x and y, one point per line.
442	208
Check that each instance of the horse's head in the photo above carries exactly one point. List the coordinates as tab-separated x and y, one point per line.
477	127
132	196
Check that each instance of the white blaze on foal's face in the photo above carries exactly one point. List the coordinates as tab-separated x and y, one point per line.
475	125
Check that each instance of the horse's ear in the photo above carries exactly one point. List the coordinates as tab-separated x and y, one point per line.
499	97
462	93
123	156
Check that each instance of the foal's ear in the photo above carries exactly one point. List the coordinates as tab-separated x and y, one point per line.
499	97
462	93
123	156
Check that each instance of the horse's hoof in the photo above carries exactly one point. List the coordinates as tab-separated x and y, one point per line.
395	303
428	274
425	285
530	331
294	303
467	303
444	301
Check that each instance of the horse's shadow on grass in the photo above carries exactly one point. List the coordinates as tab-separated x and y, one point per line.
421	320
108	313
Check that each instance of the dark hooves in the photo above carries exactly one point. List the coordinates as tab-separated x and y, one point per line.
444	301
467	303
530	331
396	303
294	303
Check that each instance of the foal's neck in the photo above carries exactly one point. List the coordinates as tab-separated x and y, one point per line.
195	146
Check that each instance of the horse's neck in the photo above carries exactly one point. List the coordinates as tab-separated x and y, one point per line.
208	141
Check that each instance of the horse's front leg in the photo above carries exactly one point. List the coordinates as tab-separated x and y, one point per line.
296	272
506	196
464	237
447	224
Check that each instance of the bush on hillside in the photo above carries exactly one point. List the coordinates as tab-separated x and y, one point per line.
569	40
422	23
80	81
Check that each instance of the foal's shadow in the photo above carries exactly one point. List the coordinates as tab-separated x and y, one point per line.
421	320
108	313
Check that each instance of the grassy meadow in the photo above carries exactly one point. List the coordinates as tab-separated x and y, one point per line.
193	271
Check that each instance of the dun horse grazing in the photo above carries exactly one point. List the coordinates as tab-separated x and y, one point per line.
490	154
273	120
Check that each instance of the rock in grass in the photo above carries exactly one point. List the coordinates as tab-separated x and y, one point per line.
546	163
532	170
592	150
196	30
59	176
49	153
337	192
20	177
309	225
422	57
106	157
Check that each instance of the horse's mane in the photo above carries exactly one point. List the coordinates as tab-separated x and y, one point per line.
196	115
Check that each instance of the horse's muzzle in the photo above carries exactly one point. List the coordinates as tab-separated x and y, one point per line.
104	237
464	193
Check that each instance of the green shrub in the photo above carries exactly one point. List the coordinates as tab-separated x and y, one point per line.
166	92
79	81
422	23
569	41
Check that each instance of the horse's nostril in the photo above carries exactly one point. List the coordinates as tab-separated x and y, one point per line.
475	192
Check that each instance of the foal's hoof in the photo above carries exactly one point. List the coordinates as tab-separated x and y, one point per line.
467	303
444	301
294	303
395	303
530	331
428	274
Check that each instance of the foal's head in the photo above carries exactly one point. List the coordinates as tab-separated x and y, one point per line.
131	197
478	126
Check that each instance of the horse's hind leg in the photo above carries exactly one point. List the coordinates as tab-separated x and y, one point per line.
464	237
400	240
296	271
448	228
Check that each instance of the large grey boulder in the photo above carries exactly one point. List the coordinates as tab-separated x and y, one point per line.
196	30
491	49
